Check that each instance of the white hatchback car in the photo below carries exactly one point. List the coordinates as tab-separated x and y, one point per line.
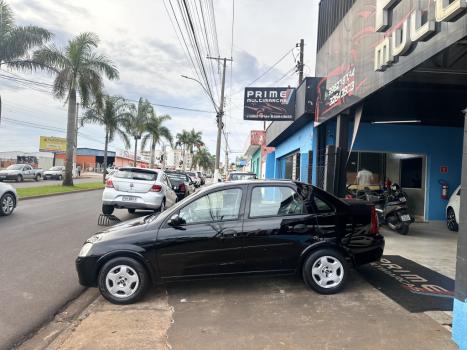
452	210
137	188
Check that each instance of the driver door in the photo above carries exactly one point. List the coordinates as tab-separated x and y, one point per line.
209	239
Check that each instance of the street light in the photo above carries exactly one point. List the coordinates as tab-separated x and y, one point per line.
206	91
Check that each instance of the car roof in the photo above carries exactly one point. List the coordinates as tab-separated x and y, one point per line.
242	172
251	181
137	168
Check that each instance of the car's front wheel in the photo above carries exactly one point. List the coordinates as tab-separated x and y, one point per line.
451	220
37	178
19	178
122	280
325	271
7	204
107	209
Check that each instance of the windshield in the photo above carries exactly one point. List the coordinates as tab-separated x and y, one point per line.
15	167
192	174
177	177
56	168
136	174
236	177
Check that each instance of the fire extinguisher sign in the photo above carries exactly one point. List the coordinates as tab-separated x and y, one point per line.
443	169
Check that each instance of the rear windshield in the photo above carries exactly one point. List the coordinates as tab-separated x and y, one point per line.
56	168
191	174
175	176
242	177
136	174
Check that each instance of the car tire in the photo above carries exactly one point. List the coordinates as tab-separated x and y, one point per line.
7	204
37	178
123	280
131	210
107	209
325	271
19	178
451	220
60	177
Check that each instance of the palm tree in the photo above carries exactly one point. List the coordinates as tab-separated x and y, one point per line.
136	121
17	41
195	140
203	159
155	132
110	113
183	141
78	69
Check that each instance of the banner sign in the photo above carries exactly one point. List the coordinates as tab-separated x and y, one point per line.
377	42
52	144
271	104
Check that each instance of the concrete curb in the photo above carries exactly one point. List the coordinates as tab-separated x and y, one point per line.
59	194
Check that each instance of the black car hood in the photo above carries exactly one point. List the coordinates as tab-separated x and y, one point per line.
126	228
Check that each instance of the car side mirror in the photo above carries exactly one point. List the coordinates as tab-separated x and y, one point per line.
176	221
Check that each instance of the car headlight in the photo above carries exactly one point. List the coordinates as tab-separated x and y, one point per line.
85	249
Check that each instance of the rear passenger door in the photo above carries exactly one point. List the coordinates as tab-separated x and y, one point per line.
277	225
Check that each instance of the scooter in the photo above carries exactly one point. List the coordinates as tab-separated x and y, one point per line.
391	207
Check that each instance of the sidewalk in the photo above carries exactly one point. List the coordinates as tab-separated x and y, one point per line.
253	313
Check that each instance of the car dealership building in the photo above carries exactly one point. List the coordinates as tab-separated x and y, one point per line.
390	97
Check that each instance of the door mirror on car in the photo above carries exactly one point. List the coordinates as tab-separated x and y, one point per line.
176	221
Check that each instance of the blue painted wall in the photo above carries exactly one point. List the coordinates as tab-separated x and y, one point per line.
301	141
270	165
459	326
441	145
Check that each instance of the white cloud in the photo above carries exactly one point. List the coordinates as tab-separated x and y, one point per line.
140	39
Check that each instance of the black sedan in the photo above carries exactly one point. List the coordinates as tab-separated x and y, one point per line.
240	227
181	184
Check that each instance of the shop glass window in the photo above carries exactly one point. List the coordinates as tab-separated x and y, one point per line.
216	206
411	172
274	201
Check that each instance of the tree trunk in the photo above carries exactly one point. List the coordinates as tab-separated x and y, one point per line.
70	138
136	149
106	146
153	151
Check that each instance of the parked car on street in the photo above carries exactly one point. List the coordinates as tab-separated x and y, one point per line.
452	210
55	172
20	172
238	175
136	188
8	199
235	228
201	177
194	177
181	184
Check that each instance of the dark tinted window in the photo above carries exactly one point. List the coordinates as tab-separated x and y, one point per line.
136	174
411	172
275	201
322	206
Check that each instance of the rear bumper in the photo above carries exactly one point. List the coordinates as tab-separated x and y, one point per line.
148	200
371	253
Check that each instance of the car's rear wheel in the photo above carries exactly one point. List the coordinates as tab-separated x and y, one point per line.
451	220
7	204
107	209
60	177
325	271
131	210
19	178
37	178
122	280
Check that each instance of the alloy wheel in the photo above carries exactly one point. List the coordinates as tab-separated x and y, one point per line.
122	281
8	204
327	271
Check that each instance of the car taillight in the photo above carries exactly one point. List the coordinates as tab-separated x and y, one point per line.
156	188
109	184
182	187
374	221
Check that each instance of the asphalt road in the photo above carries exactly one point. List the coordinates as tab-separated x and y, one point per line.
32	183
38	246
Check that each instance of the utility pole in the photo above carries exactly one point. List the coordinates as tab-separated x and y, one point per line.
220	114
300	63
226	134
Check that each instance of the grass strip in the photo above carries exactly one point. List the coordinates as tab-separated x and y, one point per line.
52	189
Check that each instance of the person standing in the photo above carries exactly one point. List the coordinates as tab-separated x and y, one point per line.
78	169
364	178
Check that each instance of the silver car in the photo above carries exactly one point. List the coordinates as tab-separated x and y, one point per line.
55	172
8	199
135	188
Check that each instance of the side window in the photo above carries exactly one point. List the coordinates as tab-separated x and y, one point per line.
273	201
216	206
322	206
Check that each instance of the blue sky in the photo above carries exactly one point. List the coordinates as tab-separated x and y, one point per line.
140	39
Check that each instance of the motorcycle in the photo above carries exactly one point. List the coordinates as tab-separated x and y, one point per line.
391	207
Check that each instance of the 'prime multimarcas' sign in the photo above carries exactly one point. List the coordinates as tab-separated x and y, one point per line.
269	104
419	25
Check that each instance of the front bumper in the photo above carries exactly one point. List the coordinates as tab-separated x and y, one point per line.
8	177
87	269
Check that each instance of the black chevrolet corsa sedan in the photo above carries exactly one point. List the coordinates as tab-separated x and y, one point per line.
244	227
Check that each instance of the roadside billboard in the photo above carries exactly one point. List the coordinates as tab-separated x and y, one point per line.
52	144
269	104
